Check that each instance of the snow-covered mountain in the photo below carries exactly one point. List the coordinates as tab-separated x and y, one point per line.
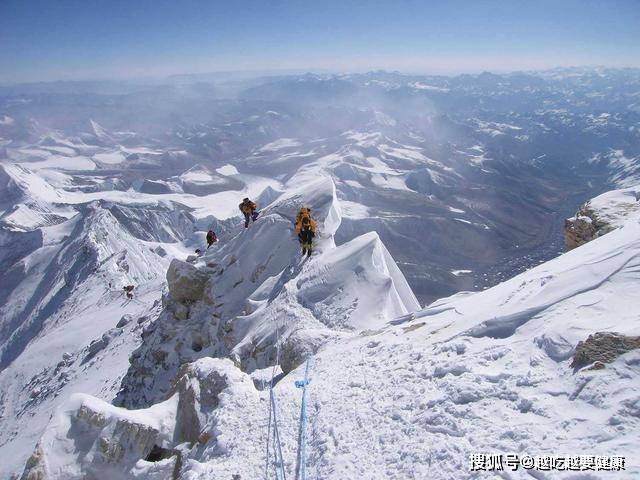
501	370
423	187
460	165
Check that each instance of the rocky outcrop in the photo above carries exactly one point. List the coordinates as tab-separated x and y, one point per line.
98	440
186	282
601	215
116	436
181	334
102	343
601	348
199	385
35	469
91	439
300	345
584	227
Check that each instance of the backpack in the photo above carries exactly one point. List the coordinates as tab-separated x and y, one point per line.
247	207
304	220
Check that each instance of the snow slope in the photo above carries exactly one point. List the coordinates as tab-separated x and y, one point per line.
410	398
65	324
62	301
464	180
617	206
262	289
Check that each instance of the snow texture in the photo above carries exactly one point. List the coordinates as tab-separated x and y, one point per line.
412	396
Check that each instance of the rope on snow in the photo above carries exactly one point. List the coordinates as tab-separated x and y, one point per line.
301	473
278	461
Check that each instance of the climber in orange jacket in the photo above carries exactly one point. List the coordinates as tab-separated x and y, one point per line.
248	209
306	230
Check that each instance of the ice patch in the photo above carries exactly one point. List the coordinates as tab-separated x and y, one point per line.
227	169
280	144
460	272
354	210
432	88
111	158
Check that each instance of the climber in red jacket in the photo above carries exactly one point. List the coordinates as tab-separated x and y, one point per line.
211	238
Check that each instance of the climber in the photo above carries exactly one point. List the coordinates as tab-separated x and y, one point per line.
128	289
306	230
211	238
304	212
248	209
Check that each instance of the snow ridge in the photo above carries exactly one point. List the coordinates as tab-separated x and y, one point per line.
260	291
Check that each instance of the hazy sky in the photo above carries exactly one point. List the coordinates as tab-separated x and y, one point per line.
83	39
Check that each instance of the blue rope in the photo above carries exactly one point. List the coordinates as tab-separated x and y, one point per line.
301	471
302	434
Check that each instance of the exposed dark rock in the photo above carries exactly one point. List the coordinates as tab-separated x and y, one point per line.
601	348
584	227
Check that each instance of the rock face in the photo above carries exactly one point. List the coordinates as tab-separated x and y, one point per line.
301	344
90	439
114	439
199	386
181	334
34	469
584	227
601	348
601	215
102	441
186	282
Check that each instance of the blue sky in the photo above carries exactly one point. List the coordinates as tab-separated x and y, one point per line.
89	39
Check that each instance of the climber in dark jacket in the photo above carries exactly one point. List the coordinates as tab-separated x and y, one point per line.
211	238
128	290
